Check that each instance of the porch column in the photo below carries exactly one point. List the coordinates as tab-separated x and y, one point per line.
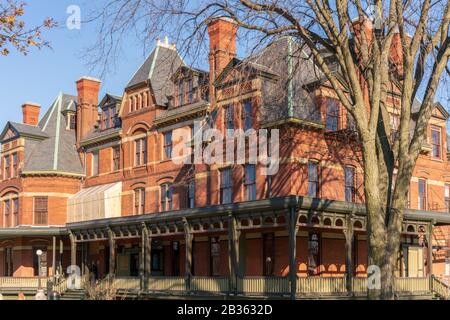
188	239
112	252
73	249
293	231
148	257
233	253
54	259
349	238
142	259
61	251
430	249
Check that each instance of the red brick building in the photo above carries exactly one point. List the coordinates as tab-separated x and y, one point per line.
93	183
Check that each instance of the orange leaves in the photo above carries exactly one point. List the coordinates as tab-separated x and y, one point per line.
13	31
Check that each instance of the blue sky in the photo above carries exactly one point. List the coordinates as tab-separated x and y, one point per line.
42	74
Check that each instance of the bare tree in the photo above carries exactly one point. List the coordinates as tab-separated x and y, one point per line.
361	42
14	32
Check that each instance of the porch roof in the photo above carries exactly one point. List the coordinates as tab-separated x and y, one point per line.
271	206
33	231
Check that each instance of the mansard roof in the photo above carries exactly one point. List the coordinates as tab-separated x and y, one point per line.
158	68
57	152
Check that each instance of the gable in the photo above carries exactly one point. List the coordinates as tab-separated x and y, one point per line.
10	134
440	112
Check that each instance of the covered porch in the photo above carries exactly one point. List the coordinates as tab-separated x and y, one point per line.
297	225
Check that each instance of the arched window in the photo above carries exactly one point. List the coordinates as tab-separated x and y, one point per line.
140	150
139	201
166	197
10	210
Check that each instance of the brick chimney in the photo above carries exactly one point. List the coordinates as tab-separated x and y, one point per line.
30	112
222	43
87	109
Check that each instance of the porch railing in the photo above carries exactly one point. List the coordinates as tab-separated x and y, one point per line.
166	284
127	283
322	285
359	285
441	288
313	286
209	284
412	285
263	285
22	282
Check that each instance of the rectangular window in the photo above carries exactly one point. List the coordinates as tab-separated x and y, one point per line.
73	122
141	152
168	144
112	117
350	190
229	117
7	173
95	163
250	182
226	186
436	142
41	211
15	165
447	197
16	212
248	115
106	120
7	213
422	199
180	93
191	195
332	117
395	124
215	256
313	179
166	197
190	91
116	158
269	254
8	258
139	201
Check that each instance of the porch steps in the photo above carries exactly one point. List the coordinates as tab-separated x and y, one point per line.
74	295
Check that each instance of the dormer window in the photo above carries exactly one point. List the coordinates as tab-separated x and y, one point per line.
180	92
71	121
190	91
109	117
106	119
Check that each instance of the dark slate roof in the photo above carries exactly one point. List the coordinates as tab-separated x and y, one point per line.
109	96
289	63
186	109
98	134
158	68
57	153
25	129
